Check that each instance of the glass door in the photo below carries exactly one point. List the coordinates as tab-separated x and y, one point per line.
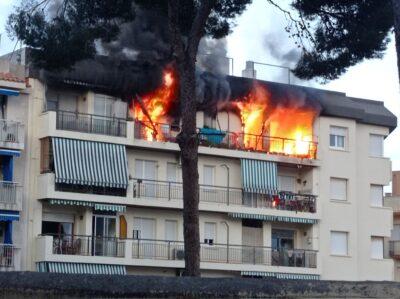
104	235
283	247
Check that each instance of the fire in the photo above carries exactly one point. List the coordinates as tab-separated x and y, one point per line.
153	108
278	130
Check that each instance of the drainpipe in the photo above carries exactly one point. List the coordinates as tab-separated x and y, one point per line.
227	240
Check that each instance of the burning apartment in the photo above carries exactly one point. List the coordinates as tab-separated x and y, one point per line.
291	178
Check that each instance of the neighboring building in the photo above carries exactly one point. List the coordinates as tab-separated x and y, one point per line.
102	198
392	200
13	109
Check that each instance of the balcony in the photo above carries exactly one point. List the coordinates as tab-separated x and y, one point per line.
11	135
90	123
226	196
7	256
159	253
230	140
10	193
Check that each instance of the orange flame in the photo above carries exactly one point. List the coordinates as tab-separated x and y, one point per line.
280	130
157	105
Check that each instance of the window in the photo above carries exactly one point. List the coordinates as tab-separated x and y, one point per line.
144	228
57	224
338	189
286	183
375	145
103	105
46	156
145	169
377	248
208	175
209	122
174	173
396	232
376	195
339	241
210	232
337	137
171	230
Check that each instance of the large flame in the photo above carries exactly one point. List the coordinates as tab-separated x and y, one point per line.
153	108
280	130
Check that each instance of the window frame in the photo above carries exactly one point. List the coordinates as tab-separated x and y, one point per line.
345	137
346	181
382	148
347	243
371	201
382	250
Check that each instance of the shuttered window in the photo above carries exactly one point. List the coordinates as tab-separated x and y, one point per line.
171	230
145	169
174	173
208	175
210	231
338	189
339	243
286	183
376	195
146	228
375	145
377	248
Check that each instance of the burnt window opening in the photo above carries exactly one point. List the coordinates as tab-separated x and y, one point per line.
3	106
46	156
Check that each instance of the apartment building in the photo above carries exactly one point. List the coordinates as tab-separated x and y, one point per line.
392	244
103	192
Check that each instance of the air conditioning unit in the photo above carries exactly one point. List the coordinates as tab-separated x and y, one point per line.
179	254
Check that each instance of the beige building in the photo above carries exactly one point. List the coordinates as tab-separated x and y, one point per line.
101	198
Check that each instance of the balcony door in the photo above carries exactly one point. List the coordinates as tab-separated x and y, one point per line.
283	247
252	240
104	235
147	171
145	229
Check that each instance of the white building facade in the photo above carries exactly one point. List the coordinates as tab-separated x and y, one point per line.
100	198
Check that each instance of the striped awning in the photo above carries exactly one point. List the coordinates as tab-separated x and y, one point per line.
9	215
96	206
90	163
273	218
259	176
80	268
280	275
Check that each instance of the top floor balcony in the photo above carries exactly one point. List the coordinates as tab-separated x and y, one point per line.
11	134
230	140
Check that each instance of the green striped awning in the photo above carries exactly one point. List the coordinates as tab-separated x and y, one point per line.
90	163
259	176
280	275
80	268
273	218
96	206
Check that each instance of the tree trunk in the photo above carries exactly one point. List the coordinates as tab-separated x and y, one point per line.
188	143
396	14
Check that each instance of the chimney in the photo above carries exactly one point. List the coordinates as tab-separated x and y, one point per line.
396	183
249	71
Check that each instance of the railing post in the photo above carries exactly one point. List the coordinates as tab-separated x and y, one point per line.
139	183
227	195
169	190
169	250
254	255
90	123
138	248
227	253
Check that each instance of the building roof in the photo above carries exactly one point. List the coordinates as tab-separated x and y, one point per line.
11	78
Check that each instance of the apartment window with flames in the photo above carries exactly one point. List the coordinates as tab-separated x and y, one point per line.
46	156
376	145
337	137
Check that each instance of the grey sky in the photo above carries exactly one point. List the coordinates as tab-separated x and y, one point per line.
261	28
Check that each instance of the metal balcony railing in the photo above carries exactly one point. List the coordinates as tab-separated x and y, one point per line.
223	253
88	245
91	123
9	192
11	131
7	255
230	140
226	195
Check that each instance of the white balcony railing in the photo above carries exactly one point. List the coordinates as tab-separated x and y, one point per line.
11	133
9	192
7	255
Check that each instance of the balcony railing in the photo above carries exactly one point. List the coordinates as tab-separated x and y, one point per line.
230	140
394	249
7	255
90	123
8	192
11	131
223	253
226	195
88	245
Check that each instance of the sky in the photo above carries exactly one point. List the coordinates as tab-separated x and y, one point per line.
259	36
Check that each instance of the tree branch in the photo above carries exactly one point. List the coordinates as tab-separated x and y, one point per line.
199	23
